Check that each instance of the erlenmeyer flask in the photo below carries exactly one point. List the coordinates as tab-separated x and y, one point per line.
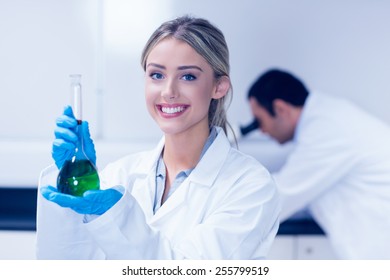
77	174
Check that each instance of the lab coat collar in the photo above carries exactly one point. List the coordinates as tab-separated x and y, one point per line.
206	170
204	174
211	163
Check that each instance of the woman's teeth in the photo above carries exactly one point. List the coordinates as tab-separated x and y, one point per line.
172	110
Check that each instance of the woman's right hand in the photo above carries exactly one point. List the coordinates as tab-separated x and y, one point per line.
65	141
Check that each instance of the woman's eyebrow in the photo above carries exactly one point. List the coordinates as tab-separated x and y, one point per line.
155	65
185	67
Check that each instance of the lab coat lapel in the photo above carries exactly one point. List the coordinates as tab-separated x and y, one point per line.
143	191
201	178
209	167
144	184
175	201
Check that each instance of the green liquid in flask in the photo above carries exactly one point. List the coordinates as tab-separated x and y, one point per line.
77	177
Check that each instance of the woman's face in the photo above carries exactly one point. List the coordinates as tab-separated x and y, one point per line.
179	85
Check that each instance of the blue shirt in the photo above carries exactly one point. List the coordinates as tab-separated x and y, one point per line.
161	174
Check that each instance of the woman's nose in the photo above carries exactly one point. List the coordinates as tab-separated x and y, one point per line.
169	92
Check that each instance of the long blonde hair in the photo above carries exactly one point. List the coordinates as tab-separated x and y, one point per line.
210	43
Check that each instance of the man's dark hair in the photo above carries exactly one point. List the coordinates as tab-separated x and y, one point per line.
278	84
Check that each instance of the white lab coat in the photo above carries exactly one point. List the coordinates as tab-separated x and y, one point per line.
340	170
227	208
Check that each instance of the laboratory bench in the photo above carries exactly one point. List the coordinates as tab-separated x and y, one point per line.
298	238
18	212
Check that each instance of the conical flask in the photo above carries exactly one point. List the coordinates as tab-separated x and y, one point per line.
77	174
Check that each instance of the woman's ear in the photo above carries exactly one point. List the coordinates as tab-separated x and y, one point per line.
222	87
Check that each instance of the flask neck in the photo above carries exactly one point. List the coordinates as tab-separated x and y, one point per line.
79	152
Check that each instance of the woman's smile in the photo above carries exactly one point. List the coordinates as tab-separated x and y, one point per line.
171	110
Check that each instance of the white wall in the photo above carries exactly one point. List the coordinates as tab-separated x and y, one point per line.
341	47
41	43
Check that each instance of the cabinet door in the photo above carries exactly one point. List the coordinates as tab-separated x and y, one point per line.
17	245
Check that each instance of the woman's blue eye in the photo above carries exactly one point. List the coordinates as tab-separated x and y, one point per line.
156	76
189	77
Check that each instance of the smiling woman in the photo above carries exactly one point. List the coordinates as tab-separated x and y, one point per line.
193	196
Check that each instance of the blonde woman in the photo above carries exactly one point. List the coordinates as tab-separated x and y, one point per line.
193	196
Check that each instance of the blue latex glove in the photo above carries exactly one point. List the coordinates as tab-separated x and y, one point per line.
92	202
65	141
